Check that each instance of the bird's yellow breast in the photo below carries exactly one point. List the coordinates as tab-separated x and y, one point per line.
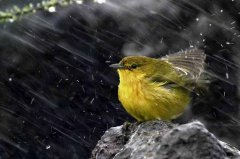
146	100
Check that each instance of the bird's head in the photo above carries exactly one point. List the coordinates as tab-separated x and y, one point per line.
138	66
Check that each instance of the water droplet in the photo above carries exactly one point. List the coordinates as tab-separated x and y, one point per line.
229	43
100	1
11	20
48	147
197	19
79	1
52	9
153	12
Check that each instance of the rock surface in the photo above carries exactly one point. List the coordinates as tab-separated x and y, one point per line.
162	140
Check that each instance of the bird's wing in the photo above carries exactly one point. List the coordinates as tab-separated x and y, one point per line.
189	63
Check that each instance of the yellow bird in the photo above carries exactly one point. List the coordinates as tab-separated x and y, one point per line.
153	88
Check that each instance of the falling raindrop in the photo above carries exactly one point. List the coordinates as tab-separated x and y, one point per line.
229	43
32	100
48	147
227	76
91	102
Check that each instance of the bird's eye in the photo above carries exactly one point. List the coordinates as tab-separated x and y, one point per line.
134	65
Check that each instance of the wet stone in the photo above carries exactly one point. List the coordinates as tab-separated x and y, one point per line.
162	140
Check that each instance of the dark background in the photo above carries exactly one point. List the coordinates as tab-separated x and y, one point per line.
58	94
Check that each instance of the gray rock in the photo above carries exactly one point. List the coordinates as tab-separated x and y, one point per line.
162	140
113	141
232	152
190	141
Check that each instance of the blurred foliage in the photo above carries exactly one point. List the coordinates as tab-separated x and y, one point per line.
10	15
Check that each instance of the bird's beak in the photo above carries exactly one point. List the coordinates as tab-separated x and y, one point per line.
116	66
